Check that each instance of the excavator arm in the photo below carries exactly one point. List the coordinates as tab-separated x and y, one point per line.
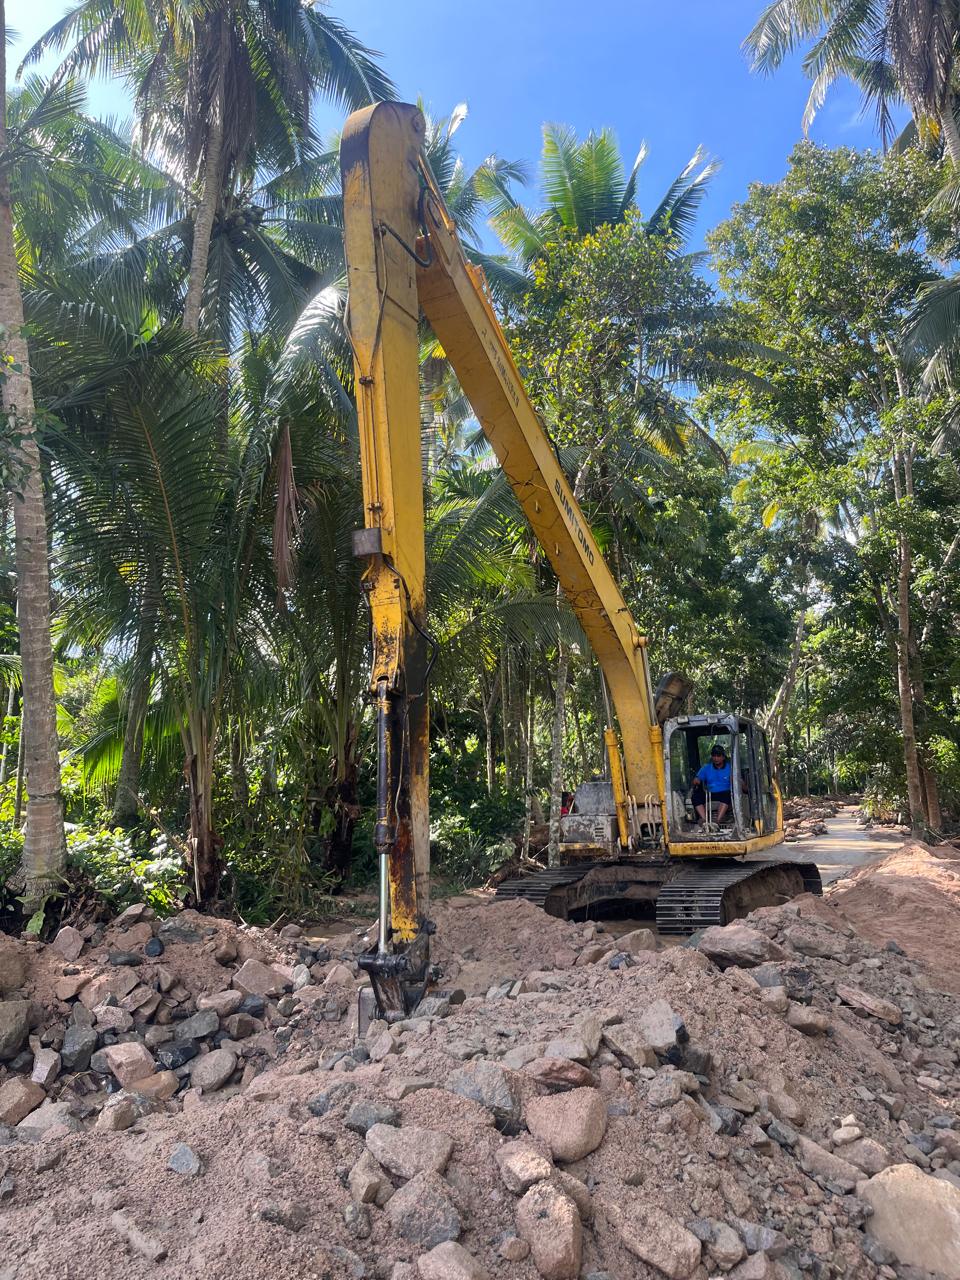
403	256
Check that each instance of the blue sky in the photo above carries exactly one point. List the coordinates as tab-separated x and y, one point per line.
673	75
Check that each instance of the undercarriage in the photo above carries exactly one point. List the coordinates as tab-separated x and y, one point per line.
687	896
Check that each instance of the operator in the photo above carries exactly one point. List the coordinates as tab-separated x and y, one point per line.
715	778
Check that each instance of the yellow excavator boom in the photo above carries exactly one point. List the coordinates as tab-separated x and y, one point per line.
403	256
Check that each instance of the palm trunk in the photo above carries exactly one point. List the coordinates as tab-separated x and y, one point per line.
239	781
556	756
209	200
777	719
126	804
505	720
528	771
18	795
44	850
204	843
951	135
911	761
344	800
5	757
489	718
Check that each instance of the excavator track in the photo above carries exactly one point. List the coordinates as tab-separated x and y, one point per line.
716	892
693	897
537	887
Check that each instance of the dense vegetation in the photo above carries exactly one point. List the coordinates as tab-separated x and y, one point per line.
770	462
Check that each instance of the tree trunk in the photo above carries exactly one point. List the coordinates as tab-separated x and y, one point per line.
204	842
5	757
126	805
239	782
556	756
44	849
911	762
505	720
345	804
489	722
951	135
18	795
209	198
776	721
528	771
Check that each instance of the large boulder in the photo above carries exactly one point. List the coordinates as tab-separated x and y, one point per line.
550	1224
410	1150
489	1084
422	1212
450	1261
738	944
916	1217
18	1097
129	1061
14	1025
13	966
571	1124
651	1235
254	978
866	1002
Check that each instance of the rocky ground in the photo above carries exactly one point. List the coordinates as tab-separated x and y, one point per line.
779	1100
806	816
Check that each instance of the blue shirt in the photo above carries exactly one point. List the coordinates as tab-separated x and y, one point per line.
715	779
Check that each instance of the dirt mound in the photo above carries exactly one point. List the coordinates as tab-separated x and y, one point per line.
912	898
572	1108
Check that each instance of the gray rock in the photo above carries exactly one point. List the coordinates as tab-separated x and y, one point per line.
68	943
184	1160
356	1218
14	1025
211	1071
782	1133
330	1098
174	1056
761	1239
46	1067
173	930
738	944
664	1090
489	1084
286	1213
130	958
206	1022
48	1114
363	1115
423	1214
410	1150
662	1029
79	1043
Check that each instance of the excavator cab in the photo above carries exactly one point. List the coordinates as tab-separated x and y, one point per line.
755	800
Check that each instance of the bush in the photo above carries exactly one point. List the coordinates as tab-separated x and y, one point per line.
121	873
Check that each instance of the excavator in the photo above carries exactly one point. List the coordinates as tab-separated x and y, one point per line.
632	836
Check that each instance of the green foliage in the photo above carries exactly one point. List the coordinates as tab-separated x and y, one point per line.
122	868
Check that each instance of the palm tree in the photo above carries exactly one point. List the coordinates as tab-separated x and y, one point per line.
586	186
227	76
894	50
44	848
58	188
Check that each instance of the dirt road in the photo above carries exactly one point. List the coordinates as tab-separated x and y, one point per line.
844	847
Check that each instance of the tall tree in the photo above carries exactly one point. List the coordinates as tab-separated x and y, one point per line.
893	49
830	260
44	848
213	81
